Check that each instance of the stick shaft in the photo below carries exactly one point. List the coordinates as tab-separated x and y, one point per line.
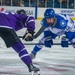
43	44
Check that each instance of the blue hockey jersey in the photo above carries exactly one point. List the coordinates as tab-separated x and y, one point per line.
63	25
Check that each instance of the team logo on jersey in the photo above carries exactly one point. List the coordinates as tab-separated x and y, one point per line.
62	23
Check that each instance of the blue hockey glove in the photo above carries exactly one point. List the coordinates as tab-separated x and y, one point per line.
64	42
48	42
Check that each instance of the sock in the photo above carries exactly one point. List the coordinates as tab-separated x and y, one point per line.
36	49
23	54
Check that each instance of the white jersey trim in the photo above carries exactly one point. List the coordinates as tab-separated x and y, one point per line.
24	55
6	27
63	16
30	21
55	31
22	50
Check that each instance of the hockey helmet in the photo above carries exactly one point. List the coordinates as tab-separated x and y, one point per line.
49	13
22	11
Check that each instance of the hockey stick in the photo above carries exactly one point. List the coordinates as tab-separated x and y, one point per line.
20	36
43	44
37	34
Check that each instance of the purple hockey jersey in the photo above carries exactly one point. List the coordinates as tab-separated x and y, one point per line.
17	21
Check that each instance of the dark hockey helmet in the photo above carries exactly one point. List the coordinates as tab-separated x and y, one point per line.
22	11
49	13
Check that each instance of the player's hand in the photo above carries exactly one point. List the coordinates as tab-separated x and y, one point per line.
28	36
48	42
64	42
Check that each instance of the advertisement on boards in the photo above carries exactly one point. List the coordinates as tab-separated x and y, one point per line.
39	12
29	10
70	12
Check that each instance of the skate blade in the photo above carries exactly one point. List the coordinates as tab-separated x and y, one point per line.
35	73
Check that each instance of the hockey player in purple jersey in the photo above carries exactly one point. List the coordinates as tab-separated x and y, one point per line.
9	24
54	25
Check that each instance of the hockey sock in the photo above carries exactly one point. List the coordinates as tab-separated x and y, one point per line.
23	54
36	49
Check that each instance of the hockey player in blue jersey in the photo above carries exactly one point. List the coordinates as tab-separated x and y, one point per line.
55	25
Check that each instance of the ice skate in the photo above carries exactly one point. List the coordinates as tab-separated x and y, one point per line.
34	70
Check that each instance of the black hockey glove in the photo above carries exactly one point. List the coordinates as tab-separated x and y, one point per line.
28	36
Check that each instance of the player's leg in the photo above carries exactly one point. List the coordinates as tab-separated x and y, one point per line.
72	38
12	40
46	40
37	48
23	54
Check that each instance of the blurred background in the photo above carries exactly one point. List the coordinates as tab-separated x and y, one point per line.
40	3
